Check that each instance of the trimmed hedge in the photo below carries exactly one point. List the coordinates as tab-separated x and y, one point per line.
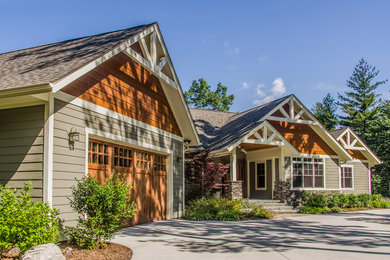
224	210
334	202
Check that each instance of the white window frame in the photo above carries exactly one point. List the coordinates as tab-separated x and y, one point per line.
341	179
265	173
302	161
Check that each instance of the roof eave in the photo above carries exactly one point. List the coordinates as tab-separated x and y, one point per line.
26	90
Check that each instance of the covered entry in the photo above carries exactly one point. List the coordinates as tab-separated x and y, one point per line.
260	179
144	170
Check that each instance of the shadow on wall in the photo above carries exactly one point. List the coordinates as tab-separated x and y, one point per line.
263	235
21	148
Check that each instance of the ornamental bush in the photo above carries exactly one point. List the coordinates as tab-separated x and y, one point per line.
225	210
24	223
334	202
102	210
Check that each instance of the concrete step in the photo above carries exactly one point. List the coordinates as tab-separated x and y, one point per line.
284	211
277	207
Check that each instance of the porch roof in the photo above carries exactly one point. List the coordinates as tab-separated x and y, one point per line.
218	130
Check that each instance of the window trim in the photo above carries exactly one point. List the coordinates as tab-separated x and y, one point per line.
353	176
307	157
265	175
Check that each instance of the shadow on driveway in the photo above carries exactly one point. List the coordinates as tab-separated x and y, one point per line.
356	232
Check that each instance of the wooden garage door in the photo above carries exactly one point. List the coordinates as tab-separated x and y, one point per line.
144	170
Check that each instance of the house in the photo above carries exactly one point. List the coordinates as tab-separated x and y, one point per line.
279	148
90	106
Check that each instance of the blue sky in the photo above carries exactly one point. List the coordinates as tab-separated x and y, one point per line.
259	49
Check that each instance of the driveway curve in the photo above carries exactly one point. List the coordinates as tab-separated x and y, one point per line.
352	235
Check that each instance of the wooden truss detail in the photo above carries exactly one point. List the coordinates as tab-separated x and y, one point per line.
292	112
266	134
154	58
350	141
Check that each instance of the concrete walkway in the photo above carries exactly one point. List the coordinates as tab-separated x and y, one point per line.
354	235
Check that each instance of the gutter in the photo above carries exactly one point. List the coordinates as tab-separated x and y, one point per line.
26	90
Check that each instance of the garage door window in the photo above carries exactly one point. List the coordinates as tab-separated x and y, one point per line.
98	153
123	157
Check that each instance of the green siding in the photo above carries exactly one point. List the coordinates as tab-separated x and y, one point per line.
21	148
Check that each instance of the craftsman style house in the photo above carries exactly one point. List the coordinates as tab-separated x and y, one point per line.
279	147
92	105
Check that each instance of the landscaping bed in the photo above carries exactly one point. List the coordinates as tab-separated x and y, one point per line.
112	251
225	210
317	203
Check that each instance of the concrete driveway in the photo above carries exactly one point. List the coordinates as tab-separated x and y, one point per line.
355	235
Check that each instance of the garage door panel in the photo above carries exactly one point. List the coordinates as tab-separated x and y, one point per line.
145	171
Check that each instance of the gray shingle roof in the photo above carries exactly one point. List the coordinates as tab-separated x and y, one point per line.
336	133
219	130
51	62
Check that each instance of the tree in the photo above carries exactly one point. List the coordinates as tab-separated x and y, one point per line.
325	112
360	104
200	95
203	176
380	140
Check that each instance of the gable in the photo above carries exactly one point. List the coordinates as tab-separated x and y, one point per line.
124	86
303	138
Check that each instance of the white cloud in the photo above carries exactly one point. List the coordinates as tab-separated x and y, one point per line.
278	89
245	85
230	50
262	58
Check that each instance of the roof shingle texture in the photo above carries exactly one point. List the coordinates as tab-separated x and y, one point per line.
51	62
218	130
336	133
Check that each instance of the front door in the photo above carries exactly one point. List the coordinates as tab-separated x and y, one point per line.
260	174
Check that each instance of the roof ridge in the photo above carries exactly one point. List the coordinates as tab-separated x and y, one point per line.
78	38
211	110
265	103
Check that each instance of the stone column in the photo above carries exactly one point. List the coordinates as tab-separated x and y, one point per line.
234	190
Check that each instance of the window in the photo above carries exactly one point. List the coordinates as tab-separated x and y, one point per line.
346	177
159	163
260	176
308	173
144	160
98	153
123	157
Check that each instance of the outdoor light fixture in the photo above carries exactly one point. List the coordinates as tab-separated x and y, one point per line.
187	141
73	135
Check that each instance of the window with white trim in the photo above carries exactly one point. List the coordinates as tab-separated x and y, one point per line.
346	177
307	172
260	177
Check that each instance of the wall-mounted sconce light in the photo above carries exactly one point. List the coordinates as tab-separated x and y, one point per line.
187	141
73	137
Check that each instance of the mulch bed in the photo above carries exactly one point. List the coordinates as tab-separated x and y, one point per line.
112	251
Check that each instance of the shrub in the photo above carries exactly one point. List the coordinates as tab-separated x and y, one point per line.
316	199
224	209
228	215
24	223
102	209
364	199
312	210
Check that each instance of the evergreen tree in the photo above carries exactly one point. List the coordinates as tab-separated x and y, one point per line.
381	145
360	104
325	112
200	95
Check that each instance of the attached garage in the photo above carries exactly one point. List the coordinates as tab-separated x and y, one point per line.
145	171
106	103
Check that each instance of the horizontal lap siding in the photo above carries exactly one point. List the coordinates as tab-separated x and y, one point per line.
332	173
361	175
70	164
21	148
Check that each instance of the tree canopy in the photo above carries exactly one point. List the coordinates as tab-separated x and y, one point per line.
325	112
359	104
200	95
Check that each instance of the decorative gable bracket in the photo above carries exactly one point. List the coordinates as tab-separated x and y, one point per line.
293	112
153	56
350	141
